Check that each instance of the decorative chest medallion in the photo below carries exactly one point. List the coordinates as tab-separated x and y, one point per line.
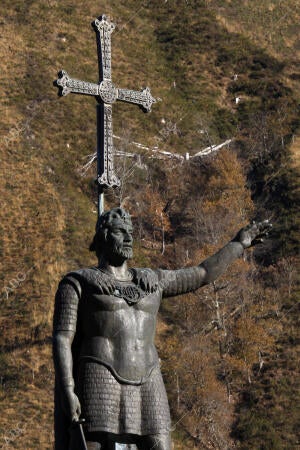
131	293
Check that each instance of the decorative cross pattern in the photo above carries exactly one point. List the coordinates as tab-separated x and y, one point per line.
106	94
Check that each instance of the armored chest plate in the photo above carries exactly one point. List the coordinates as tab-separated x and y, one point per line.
130	292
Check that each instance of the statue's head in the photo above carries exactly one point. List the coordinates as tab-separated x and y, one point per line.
113	238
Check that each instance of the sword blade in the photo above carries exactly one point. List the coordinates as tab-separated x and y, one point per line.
77	438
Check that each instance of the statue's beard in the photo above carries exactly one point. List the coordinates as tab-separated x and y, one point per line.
119	251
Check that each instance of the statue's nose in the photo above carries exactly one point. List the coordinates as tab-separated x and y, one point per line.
128	238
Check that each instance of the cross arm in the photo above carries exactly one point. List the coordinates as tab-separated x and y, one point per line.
66	85
104	29
105	162
142	98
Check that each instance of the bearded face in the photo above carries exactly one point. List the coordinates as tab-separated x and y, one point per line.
119	242
122	250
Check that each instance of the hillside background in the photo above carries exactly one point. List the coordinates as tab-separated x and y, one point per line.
230	352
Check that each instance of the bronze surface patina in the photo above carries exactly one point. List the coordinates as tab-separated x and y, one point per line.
107	367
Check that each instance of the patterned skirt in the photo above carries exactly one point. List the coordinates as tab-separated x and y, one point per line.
110	406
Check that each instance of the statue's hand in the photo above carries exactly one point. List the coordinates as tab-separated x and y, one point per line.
253	234
108	287
146	279
71	404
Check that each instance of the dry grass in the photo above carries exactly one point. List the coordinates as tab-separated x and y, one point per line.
295	150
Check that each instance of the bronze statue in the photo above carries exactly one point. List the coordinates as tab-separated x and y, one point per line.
107	367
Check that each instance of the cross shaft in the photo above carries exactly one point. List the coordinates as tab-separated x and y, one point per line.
106	94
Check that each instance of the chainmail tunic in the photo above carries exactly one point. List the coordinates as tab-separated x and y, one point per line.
119	408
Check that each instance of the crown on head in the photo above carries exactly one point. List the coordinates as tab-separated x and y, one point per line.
116	217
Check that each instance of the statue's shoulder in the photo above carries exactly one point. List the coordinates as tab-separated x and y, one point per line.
146	278
142	272
82	275
142	269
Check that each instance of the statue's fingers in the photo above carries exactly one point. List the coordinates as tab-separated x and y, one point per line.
266	231
74	414
150	282
257	241
142	283
262	235
74	417
153	286
147	286
109	288
265	225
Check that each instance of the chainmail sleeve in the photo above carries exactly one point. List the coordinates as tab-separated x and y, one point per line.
176	282
66	305
64	324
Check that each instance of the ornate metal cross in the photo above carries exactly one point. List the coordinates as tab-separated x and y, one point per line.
106	94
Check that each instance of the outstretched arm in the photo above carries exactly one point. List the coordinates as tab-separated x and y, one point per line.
175	282
64	327
248	236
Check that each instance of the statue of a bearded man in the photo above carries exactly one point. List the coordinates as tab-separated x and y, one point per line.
106	363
